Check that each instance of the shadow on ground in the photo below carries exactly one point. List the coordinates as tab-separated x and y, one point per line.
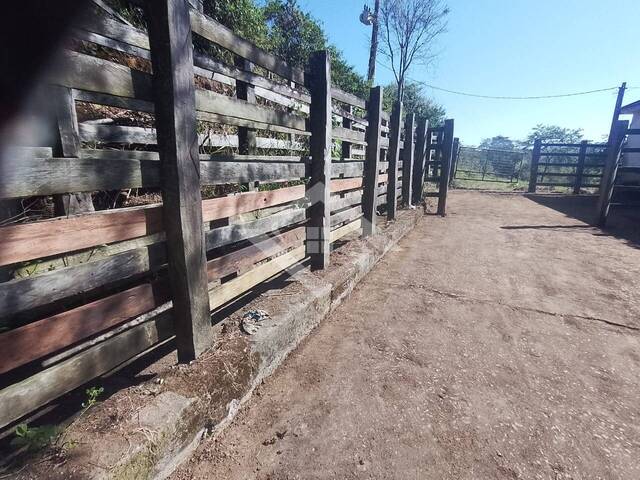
623	223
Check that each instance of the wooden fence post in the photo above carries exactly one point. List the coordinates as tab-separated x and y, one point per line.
408	157
419	160
445	166
535	159
580	167
393	155
246	136
319	187
454	159
610	170
68	146
175	111
372	162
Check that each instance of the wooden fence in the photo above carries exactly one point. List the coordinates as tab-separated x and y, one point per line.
83	294
567	165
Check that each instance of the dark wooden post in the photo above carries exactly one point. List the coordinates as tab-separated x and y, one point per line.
610	170
392	157
580	167
346	123
372	162
246	91
445	166
68	146
408	153
454	159
319	186
419	160
535	159
175	110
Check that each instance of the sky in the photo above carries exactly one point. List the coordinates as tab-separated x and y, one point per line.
514	48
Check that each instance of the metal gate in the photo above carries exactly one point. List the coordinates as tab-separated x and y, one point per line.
488	165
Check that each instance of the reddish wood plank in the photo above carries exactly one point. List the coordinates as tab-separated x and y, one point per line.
40	338
20	243
246	257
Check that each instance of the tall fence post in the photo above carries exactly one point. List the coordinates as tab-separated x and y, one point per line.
393	155
175	112
346	123
535	159
319	187
582	154
454	159
408	154
419	160
610	170
445	166
372	162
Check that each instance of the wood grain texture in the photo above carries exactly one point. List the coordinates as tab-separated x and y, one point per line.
408	158
23	397
372	163
221	35
393	157
419	160
38	339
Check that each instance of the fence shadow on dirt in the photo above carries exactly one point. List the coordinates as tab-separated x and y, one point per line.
622	223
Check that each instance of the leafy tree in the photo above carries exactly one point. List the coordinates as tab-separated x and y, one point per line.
552	134
244	17
408	29
414	102
499	142
293	35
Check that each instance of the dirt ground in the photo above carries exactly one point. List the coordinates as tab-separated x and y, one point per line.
499	342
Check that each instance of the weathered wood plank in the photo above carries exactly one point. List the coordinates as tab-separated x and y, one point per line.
348	200
38	339
62	175
346	215
445	169
175	112
224	207
347	169
229	234
535	160
340	232
215	103
221	35
348	135
224	293
348	98
244	258
21	398
318	187
113	101
215	173
419	160
22	294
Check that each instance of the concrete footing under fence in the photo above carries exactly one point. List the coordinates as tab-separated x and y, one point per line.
146	431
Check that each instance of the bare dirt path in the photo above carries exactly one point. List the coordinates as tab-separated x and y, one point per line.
500	342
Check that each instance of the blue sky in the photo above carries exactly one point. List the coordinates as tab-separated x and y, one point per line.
516	48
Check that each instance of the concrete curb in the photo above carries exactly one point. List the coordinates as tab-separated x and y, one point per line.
172	413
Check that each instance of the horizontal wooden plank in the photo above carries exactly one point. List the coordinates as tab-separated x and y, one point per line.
117	134
347	215
22	294
21	398
347	169
346	97
31	177
354	118
349	199
222	105
384	142
348	135
341	185
38	339
229	234
20	153
215	173
228	291
114	101
111	43
109	27
340	232
24	242
244	258
221	35
203	61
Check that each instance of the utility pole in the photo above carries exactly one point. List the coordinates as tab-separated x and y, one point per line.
371	18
